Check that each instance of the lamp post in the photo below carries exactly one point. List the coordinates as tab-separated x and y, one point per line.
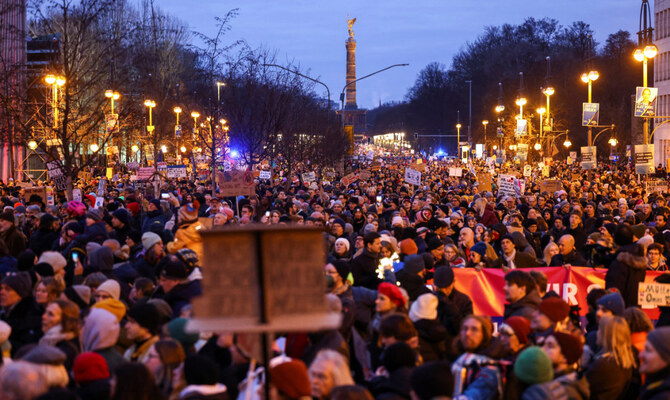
541	111
589	78
469	82
55	81
499	109
112	96
644	55
195	115
218	92
458	139
150	104
177	110
485	123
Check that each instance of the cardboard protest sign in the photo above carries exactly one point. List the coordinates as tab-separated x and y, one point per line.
265	175
650	295
349	179
413	176
485	182
551	186
176	171
236	183
308	177
38	190
55	171
455	171
509	185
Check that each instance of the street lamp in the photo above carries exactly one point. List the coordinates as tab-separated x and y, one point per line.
94	147
567	143
150	104
541	111
218	91
32	145
177	110
55	81
521	101
458	139
134	148
485	123
195	115
643	55
183	149
589	78
112	96
538	146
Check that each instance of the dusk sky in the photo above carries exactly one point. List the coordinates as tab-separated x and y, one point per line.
311	33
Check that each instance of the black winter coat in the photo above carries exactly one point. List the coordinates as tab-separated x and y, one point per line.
524	307
413	284
628	269
432	339
363	269
25	318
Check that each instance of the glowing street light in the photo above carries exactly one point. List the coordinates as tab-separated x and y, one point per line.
55	81
94	147
183	149
112	96
567	143
643	55
589	78
150	104
177	110
613	142
134	148
32	145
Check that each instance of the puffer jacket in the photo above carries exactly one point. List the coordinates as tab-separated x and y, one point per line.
626	272
187	236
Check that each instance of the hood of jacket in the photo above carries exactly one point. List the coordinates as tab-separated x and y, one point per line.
101	330
631	260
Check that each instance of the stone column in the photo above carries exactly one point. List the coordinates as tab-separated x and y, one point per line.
351	74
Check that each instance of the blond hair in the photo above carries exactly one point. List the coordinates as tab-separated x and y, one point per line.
614	337
340	367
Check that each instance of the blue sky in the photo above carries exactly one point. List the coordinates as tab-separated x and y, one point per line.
312	33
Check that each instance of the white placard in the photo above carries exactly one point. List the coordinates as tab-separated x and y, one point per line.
413	177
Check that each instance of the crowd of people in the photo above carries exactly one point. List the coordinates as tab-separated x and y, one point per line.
95	301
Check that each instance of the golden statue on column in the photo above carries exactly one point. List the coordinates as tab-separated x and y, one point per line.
350	24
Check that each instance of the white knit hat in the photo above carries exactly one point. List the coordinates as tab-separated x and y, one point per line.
345	241
425	307
53	258
5	331
112	287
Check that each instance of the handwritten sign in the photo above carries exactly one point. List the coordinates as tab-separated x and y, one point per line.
308	177
509	185
236	183
76	195
455	171
176	171
349	179
55	171
551	186
485	182
279	270
364	175
265	175
39	190
421	167
413	176
145	173
653	294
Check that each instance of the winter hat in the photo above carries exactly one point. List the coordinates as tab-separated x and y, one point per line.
428	260
533	366
26	260
156	203
7	216
432	380
53	258
480	248
521	328
172	268
443	276
188	257
397	220
201	370
369	228
659	338
123	216
115	307
342	268
89	367
340	222
92	247
291	379
613	302
111	287
147	316
414	264
76	207
5	331
149	239
434	243
20	282
393	292
43	354
177	330
425	307
80	294
189	212
344	241
424	215
94	214
398	355
43	269
134	207
554	308
571	346
408	247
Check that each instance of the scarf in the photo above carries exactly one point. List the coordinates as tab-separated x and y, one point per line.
54	335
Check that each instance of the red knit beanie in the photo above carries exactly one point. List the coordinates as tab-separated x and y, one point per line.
408	247
393	292
521	328
89	367
571	346
554	308
291	379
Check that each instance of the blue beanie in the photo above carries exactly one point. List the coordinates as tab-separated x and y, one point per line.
479	247
613	302
414	264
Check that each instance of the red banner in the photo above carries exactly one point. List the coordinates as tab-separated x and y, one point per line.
485	287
